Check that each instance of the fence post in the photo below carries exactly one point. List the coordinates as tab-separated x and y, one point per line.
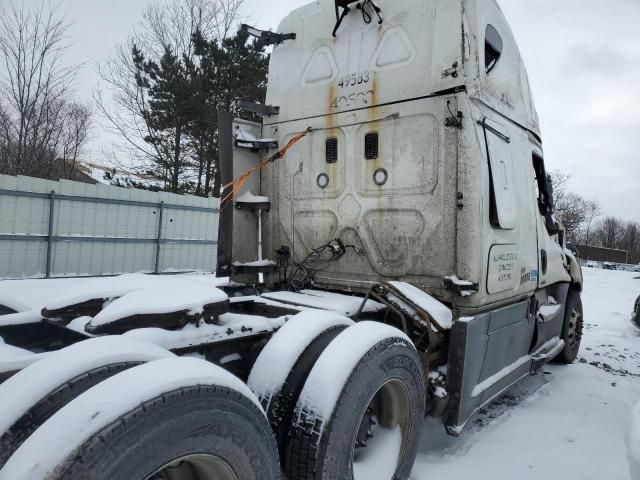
52	202
159	238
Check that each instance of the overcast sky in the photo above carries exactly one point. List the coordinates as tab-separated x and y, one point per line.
583	58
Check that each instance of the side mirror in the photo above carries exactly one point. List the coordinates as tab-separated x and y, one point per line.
550	199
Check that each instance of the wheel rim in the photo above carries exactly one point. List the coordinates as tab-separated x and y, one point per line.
382	437
195	467
574	332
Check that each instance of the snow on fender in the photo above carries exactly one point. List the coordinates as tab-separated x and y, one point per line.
333	368
35	382
633	443
94	412
279	374
367	385
279	356
31	396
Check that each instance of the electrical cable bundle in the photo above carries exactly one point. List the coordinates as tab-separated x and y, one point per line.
303	276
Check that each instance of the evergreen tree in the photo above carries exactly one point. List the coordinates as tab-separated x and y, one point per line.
180	100
223	72
168	115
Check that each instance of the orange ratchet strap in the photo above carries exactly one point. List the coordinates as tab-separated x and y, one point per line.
239	182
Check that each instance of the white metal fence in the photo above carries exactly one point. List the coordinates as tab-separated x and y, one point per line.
56	229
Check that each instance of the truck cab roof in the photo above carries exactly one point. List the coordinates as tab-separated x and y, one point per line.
415	52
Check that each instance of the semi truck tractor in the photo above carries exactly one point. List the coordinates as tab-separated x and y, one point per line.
388	234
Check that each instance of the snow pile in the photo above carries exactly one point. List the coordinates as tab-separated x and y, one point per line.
257	263
379	460
12	303
370	307
550	311
232	326
244	137
440	312
469	288
9	353
168	296
103	288
26	295
22	318
249	197
345	304
105	403
285	348
336	364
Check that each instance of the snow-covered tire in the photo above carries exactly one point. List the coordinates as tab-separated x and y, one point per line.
279	374
33	395
572	328
152	422
368	380
636	313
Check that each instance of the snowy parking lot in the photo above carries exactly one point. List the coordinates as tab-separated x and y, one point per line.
567	423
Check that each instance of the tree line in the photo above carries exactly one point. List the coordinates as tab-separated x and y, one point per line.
160	94
585	223
186	60
43	127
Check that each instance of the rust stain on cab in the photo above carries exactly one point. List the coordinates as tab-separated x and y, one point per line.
331	117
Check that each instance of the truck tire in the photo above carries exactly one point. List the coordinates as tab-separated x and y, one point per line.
636	313
286	361
364	398
34	394
166	420
42	410
572	328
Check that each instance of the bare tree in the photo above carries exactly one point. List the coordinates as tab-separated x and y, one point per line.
168	26
171	24
574	211
35	85
74	135
609	232
4	138
593	211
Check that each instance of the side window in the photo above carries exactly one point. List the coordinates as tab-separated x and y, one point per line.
492	48
503	198
538	167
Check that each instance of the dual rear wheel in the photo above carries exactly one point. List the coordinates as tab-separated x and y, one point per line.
353	406
343	401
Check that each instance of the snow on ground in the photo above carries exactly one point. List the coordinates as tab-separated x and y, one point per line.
567	423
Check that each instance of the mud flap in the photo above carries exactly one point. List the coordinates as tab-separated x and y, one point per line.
468	342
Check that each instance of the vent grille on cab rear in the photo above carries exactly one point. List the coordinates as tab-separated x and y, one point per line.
371	146
332	150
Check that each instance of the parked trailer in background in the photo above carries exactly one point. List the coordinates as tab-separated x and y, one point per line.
393	252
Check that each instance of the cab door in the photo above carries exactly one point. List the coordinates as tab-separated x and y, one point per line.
512	250
553	279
